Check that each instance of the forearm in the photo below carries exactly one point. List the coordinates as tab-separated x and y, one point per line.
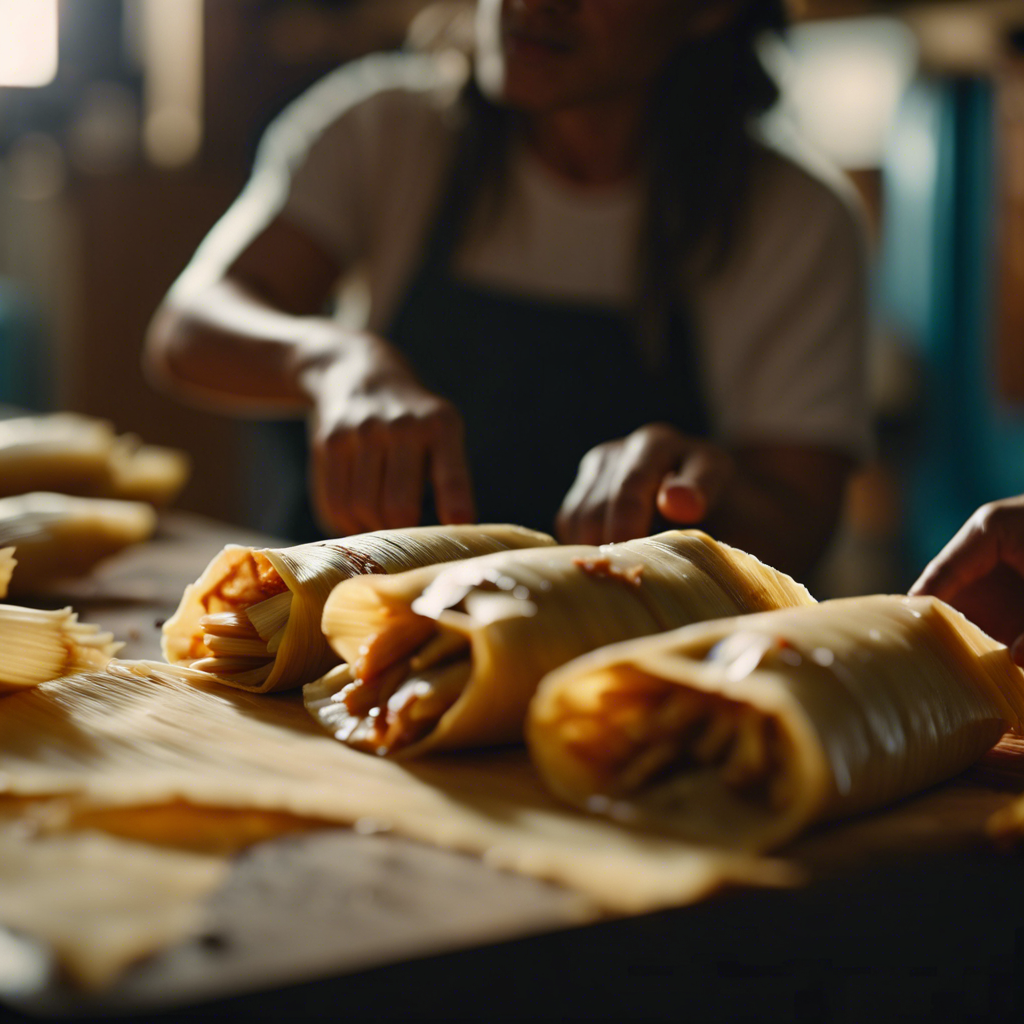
783	512
224	346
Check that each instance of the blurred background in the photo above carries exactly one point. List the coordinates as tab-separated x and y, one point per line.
128	126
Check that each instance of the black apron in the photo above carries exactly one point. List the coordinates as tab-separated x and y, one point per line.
538	383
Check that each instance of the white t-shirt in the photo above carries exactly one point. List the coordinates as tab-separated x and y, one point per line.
359	161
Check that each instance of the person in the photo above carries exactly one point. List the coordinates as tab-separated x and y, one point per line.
576	286
980	572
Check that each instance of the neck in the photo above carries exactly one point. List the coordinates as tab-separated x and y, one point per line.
592	145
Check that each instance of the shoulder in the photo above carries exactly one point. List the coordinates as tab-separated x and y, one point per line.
376	98
795	193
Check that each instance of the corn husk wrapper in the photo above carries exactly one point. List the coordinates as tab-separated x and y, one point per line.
123	748
517	616
58	536
240	578
97	901
36	646
74	454
743	732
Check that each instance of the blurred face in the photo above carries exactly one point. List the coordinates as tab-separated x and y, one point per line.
544	55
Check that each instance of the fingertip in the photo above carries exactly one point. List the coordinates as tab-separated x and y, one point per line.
681	504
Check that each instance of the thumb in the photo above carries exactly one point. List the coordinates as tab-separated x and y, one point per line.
690	493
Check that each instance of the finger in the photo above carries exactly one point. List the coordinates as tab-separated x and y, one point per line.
631	502
692	491
402	485
971	554
581	519
449	476
329	491
366	480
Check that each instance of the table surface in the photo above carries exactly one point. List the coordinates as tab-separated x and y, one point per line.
360	925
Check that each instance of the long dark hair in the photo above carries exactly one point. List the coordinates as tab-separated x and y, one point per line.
700	156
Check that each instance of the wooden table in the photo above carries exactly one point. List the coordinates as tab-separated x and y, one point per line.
358	926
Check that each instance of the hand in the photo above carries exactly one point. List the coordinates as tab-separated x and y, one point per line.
377	436
620	485
981	572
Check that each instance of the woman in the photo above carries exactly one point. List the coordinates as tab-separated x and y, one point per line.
581	267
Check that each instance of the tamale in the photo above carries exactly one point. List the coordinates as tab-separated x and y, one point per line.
36	646
58	536
449	656
743	732
74	454
252	619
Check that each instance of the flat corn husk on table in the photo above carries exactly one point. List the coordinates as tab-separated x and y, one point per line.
743	732
58	536
37	646
252	620
449	656
75	454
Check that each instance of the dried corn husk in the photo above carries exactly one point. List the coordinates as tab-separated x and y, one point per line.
36	646
742	732
122	747
58	536
75	454
97	901
449	656
298	580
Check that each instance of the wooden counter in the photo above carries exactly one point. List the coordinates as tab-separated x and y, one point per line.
347	925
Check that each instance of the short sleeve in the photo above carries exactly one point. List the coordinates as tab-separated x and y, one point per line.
328	163
331	149
784	325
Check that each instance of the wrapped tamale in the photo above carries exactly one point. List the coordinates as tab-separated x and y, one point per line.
36	646
743	732
252	619
59	536
74	454
449	656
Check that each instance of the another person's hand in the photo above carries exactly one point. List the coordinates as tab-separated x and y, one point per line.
378	437
622	483
981	572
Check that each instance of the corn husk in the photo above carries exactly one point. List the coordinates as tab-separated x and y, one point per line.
98	902
121	748
58	536
449	656
743	732
74	454
36	646
240	578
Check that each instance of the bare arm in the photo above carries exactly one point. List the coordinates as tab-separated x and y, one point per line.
254	340
779	502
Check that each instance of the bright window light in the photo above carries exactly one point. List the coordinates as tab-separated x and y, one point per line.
28	42
842	82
